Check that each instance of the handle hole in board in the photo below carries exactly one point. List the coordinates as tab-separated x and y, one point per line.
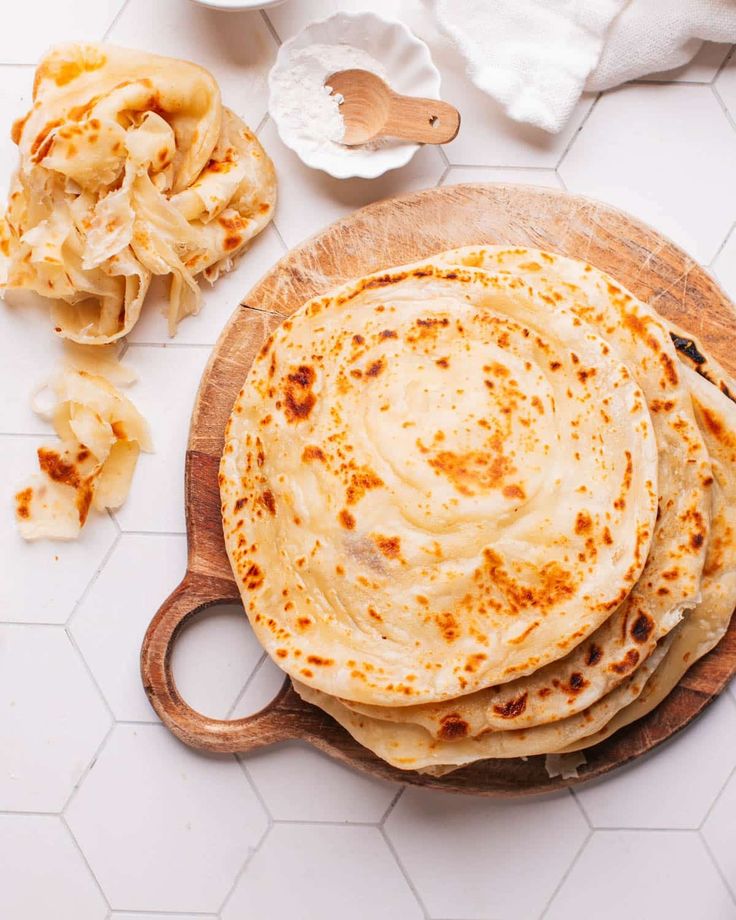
214	658
434	121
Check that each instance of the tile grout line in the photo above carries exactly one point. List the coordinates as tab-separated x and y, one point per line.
261	124
324	822
32	623
722	66
576	134
720	249
88	587
248	682
443	175
271	28
561	180
391	805
281	240
581	808
28	814
717	866
716	799
251	850
721	102
256	791
85	773
566	873
86	861
108	30
407	878
111	515
73	643
164	913
642	81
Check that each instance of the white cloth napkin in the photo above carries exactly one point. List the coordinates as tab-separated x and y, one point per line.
537	56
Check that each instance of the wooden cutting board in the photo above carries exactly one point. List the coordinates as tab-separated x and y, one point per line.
381	235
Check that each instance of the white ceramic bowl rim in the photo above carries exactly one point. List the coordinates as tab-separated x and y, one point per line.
235	6
362	29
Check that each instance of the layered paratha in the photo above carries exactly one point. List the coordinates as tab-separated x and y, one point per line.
708	623
433	483
130	167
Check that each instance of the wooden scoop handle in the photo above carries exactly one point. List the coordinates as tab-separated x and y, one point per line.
273	723
425	121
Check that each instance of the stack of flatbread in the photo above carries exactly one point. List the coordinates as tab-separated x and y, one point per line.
482	506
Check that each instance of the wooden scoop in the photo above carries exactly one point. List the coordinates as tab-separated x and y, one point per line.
371	109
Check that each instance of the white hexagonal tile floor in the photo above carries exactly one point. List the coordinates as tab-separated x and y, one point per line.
633	153
658	790
297	782
168	382
643	874
67	567
164	828
51	727
42	872
464	853
317	871
238	49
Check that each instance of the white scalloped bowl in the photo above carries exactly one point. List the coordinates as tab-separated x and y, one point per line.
410	70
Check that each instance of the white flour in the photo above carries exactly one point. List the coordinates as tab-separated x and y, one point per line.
301	101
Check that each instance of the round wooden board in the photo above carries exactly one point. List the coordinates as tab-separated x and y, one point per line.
382	235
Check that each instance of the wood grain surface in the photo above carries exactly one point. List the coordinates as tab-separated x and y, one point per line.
382	235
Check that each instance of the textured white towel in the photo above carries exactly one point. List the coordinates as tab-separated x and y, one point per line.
537	56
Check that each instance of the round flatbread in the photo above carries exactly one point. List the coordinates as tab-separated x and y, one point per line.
432	483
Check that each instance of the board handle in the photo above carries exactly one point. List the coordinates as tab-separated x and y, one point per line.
271	724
